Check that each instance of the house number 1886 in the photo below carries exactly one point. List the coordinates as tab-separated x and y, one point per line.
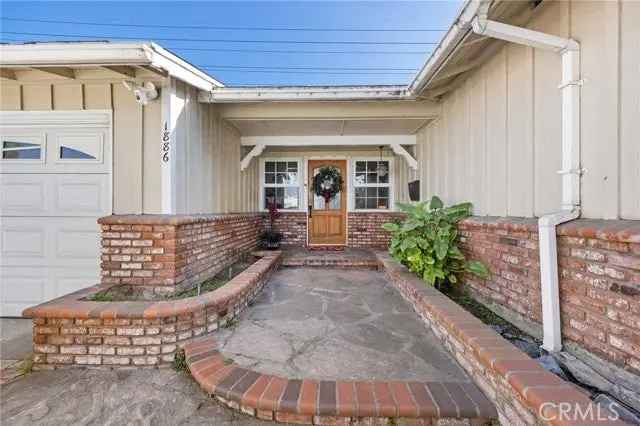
166	143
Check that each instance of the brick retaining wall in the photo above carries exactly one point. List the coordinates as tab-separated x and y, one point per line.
72	331
364	229
599	267
167	253
523	392
293	226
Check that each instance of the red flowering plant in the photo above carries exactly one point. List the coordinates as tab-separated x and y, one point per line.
271	238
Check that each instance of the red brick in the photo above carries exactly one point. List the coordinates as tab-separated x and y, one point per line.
271	396
308	397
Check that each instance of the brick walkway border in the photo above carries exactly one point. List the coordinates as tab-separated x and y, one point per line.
307	401
523	392
71	331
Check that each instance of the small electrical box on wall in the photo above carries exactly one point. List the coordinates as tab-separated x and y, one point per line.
414	190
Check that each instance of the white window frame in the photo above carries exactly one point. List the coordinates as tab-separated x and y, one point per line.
390	185
37	138
60	142
300	183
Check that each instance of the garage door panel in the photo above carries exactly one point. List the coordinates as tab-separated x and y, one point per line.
50	242
75	245
19	291
22	194
71	195
21	241
81	195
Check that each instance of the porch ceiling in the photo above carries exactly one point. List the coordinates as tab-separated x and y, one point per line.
329	127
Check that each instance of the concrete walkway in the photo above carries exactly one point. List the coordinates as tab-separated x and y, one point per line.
346	324
105	397
15	346
324	323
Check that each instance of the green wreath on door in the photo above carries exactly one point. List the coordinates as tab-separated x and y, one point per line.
327	183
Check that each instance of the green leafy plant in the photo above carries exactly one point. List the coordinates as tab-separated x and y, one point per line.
427	242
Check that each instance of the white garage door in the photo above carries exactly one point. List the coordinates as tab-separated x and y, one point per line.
55	181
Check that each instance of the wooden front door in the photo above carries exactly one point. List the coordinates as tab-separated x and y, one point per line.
327	221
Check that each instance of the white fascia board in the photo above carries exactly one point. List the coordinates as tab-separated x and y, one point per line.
180	69
454	36
327	93
73	54
348	140
105	54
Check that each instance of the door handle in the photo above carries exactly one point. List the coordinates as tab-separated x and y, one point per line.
310	209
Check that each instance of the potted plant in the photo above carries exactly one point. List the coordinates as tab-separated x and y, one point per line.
271	238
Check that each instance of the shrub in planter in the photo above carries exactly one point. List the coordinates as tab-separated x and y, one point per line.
270	239
427	242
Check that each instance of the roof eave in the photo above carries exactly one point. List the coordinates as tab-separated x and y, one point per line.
105	54
455	35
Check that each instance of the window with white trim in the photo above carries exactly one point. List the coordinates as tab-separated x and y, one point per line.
16	148
79	148
372	188
281	184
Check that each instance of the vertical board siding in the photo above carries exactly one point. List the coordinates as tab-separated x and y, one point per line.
547	111
208	151
152	125
520	131
10	97
500	130
630	110
180	152
477	157
67	97
97	96
127	152
37	97
600	98
497	147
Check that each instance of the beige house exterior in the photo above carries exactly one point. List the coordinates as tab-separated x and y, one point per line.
482	122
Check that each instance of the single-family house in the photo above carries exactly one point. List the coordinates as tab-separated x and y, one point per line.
528	109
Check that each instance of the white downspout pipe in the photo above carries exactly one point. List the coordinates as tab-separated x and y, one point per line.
571	171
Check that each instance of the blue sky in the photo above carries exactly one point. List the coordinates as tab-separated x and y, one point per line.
377	16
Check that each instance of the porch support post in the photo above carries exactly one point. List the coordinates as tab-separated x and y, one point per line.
399	150
167	157
255	152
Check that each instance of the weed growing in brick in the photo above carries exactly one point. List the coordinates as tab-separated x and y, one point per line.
129	293
180	361
26	366
427	242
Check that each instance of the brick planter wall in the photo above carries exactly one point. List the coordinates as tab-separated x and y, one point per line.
166	253
365	229
293	226
72	331
523	392
599	267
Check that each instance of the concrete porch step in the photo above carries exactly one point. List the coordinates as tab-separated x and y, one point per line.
307	401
